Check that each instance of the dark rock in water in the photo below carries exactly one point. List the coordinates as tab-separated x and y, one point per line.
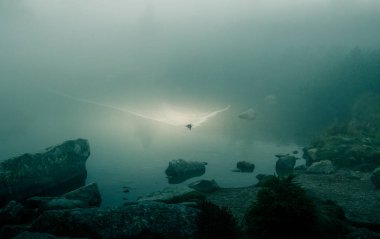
375	177
205	186
180	170
57	170
285	165
84	197
169	221
34	235
245	167
321	167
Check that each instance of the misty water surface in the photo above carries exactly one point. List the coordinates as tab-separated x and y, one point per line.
187	55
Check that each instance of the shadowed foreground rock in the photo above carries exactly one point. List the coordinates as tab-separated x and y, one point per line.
57	170
167	220
30	235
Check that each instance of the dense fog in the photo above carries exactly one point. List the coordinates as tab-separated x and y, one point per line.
297	64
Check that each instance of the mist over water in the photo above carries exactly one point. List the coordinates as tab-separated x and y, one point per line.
283	59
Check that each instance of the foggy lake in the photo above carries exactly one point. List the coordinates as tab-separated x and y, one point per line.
67	66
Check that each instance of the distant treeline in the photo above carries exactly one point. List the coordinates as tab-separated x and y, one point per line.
314	90
341	85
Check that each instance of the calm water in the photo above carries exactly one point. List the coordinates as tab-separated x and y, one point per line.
118	165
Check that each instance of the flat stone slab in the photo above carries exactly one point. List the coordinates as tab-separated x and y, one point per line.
166	194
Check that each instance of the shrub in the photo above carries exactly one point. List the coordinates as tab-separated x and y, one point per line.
282	210
216	222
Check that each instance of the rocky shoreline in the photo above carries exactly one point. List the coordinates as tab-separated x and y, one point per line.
352	190
41	200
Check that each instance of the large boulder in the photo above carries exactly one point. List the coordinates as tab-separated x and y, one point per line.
169	221
321	167
180	170
57	170
375	177
84	197
285	165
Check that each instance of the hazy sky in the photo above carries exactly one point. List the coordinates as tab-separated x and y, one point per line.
194	54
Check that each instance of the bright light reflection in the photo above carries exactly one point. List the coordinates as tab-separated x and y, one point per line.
167	115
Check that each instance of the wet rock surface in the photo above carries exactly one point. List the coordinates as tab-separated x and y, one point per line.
167	194
321	167
180	170
84	197
166	220
57	170
205	186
